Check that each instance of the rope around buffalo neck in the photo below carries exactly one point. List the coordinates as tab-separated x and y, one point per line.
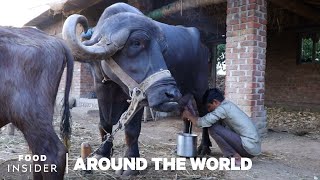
136	93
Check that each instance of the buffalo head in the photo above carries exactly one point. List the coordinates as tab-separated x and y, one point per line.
136	44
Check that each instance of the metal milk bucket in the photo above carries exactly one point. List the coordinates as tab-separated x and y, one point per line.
187	145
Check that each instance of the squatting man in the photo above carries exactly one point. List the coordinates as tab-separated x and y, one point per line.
229	126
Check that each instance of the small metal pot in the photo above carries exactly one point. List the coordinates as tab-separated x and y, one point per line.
187	145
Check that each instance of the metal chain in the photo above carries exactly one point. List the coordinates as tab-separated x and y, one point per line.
136	97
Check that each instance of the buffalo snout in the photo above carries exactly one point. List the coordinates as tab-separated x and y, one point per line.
173	94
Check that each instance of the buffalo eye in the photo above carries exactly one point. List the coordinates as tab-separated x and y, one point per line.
136	43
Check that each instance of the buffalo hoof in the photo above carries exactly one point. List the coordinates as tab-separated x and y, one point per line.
127	172
203	150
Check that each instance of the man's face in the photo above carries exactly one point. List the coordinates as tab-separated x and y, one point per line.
212	106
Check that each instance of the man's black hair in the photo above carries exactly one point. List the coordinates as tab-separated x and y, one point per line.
212	94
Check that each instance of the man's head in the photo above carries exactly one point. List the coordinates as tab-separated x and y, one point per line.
212	99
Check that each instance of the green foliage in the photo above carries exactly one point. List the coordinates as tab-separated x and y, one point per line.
221	52
317	59
306	50
310	48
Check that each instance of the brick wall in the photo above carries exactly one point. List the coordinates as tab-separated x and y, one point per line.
288	84
245	57
86	81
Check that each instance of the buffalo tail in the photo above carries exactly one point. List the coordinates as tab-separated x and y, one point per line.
65	125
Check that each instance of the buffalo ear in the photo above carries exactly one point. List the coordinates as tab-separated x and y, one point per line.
120	38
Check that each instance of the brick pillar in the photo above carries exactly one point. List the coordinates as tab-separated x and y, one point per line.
76	80
82	82
246	57
86	81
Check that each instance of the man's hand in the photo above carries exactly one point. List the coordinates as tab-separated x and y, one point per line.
186	115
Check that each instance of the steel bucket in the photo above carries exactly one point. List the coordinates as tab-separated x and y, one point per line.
187	145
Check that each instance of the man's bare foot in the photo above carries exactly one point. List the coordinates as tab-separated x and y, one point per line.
237	159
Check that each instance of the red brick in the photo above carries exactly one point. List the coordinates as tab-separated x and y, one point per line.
237	73
262	33
251	37
262	44
248	43
231	56
234	10
245	78
262	21
233	22
252	6
243	26
252	19
231	79
233	67
235	27
246	67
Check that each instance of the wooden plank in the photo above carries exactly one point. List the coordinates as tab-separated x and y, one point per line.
11	129
179	5
299	8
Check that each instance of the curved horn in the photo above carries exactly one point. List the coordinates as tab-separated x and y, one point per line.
99	50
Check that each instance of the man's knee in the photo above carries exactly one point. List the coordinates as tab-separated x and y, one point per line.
215	129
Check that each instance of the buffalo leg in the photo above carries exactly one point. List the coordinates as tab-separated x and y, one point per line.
42	140
112	103
104	126
105	97
204	147
106	149
132	132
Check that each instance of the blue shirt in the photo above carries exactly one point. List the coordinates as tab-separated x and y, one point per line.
236	120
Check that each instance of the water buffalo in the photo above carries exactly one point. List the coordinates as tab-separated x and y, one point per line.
141	47
31	66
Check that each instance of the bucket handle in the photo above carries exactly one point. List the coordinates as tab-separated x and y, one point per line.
190	127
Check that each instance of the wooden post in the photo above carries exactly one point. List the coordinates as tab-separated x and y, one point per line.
214	65
148	114
85	150
10	129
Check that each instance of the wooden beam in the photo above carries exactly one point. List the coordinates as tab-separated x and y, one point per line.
299	8
180	5
76	6
65	8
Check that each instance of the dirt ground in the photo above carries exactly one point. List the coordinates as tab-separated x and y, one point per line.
287	153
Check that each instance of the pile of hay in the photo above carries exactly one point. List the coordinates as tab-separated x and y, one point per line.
296	122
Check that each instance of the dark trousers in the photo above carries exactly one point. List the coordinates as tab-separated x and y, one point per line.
228	141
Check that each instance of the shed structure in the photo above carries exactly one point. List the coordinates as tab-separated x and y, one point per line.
272	47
